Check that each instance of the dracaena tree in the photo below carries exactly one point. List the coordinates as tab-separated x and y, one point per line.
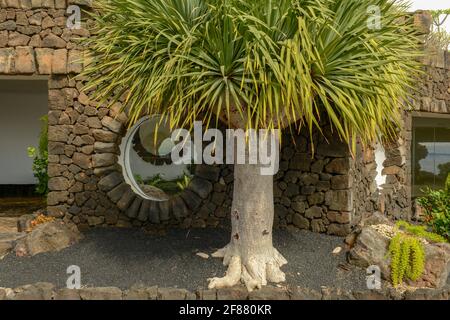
256	64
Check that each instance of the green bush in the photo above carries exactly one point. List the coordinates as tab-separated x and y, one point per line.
40	158
420	231
436	204
407	252
407	258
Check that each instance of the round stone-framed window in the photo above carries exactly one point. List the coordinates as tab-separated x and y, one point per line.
145	158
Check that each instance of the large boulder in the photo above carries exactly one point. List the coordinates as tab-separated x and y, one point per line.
51	236
371	248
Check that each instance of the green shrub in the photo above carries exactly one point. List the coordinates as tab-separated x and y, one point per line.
407	258
436	204
40	158
420	231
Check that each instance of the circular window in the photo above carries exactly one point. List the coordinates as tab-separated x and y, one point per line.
146	161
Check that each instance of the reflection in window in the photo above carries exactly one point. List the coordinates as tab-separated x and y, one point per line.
431	153
147	160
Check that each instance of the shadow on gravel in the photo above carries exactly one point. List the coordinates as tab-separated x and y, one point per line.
124	257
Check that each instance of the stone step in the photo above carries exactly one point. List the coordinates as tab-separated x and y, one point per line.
8	225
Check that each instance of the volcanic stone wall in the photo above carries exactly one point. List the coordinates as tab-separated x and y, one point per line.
432	97
328	191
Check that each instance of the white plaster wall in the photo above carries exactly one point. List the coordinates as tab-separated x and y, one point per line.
22	103
380	156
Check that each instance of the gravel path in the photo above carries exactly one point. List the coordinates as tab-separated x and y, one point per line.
122	258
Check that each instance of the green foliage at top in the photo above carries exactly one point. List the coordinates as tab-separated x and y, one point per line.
259	63
40	158
436	204
420	231
407	255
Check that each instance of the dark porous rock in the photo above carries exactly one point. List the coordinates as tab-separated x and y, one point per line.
58	184
67	294
138	292
376	218
164	210
110	181
82	160
233	293
51	236
301	161
370	249
341	230
192	200
308	190
206	294
341	182
133	210
280	210
300	221
103	159
126	200
339	200
37	291
24	222
104	136
153	213
112	124
171	294
313	212
201	187
292	190
207	172
101	147
333	149
94	221
269	293
318	226
428	294
300	293
371	295
338	166
179	208
143	211
336	294
104	293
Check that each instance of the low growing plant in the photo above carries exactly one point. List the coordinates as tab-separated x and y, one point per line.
436	204
420	231
407	258
40	159
407	251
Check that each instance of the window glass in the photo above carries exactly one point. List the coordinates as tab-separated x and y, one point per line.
430	153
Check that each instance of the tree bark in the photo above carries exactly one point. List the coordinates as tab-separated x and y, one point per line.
250	255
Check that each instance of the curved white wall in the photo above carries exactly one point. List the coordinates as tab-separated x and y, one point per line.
22	103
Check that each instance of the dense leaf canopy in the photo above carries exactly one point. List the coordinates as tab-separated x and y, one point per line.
259	63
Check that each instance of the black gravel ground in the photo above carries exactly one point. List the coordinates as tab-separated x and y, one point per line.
122	258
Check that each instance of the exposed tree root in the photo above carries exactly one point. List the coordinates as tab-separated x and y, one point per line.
254	271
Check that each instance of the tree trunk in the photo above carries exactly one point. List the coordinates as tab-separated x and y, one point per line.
250	255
